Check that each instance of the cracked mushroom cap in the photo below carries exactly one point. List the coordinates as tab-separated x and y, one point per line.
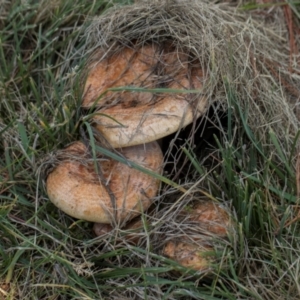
137	118
119	194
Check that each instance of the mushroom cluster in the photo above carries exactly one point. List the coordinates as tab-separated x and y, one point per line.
137	96
131	121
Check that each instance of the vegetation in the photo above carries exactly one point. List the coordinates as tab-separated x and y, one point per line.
45	254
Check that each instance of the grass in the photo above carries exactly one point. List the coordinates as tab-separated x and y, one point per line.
46	254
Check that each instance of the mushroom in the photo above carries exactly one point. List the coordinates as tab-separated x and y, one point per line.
194	250
116	194
211	217
127	121
197	256
130	67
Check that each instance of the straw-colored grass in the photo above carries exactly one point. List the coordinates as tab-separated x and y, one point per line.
233	50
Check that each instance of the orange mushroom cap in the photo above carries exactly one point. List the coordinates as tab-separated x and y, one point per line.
131	67
197	252
189	254
127	119
212	218
122	192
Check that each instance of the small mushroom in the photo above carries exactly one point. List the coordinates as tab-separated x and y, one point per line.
197	256
126	121
195	251
211	217
116	194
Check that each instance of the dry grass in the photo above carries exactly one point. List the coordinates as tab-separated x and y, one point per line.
233	50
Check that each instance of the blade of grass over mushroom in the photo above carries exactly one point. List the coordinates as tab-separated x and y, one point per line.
140	168
93	146
90	116
156	90
143	90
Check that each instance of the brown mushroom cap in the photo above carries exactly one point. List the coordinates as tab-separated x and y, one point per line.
127	119
131	67
195	252
212	218
190	255
75	187
126	127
